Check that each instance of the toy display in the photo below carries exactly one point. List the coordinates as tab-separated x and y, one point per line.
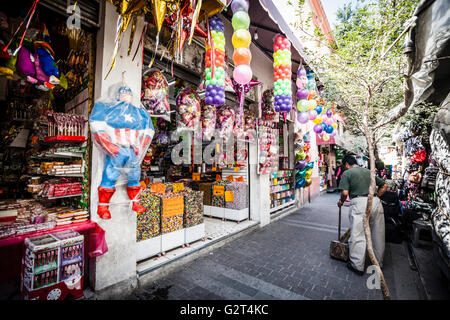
189	109
208	121
123	132
226	122
267	147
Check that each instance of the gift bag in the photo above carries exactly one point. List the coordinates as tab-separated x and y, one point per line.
97	242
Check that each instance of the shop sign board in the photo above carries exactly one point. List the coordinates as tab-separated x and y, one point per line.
219	190
229	196
173	207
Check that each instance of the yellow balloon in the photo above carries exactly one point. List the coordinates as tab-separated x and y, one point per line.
318	119
325	137
334	125
308	173
241	38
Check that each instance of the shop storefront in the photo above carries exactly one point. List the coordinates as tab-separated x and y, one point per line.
206	170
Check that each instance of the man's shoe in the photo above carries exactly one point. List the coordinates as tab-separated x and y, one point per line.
358	272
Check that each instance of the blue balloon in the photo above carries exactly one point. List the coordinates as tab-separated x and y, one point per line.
318	109
329	129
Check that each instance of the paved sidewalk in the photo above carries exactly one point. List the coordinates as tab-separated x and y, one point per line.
288	259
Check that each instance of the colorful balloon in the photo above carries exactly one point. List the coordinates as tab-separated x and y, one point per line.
241	38
242	56
312	114
318	129
240	20
318	119
239	5
303	117
242	74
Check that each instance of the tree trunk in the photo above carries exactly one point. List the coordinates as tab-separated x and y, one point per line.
367	230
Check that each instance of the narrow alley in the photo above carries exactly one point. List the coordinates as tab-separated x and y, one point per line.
287	260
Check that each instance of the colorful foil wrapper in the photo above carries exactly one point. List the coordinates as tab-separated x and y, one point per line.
208	121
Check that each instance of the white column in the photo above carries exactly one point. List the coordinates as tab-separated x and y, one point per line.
118	265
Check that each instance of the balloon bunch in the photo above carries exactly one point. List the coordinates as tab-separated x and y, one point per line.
282	74
326	128
215	63
303	163
241	40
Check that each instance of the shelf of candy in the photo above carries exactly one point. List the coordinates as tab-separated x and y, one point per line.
57	168
277	203
193	207
281	195
280	188
66	215
149	222
218	197
60	152
65	127
40	262
71	250
65	187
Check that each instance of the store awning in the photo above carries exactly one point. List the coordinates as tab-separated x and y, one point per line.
267	21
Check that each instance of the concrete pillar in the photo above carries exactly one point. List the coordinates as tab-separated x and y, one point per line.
118	265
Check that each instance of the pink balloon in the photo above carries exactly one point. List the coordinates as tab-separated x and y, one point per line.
242	74
312	114
328	121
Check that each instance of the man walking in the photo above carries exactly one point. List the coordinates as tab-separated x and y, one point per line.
355	183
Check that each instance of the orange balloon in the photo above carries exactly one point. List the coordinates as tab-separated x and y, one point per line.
242	55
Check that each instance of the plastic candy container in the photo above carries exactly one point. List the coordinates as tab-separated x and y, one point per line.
215	63
155	94
282	74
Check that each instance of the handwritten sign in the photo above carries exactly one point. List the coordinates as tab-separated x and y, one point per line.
230	178
158	188
196	176
219	190
173	207
177	187
214	169
229	196
218	177
240	179
143	185
236	169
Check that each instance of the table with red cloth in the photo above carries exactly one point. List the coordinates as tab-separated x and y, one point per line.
11	251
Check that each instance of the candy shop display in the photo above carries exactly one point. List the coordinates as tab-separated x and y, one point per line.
54	261
281	188
193	207
218	193
63	126
149	221
240	195
282	74
206	188
215	64
155	94
188	109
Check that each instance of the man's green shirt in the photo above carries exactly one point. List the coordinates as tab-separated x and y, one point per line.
357	181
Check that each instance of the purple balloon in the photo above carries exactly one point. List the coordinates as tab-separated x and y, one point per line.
300	164
329	113
303	117
318	128
312	114
301	72
209	101
239	5
302	94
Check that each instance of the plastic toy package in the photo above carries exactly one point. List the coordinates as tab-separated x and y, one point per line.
225	118
155	94
189	109
268	105
123	131
208	121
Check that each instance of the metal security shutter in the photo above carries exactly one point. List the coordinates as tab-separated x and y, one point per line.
89	10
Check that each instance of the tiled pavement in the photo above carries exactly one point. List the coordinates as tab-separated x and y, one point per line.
288	259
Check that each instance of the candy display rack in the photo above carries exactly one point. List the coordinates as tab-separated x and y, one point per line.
282	193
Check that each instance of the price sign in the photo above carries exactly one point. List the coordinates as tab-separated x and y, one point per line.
143	185
214	169
158	188
177	187
218	177
196	176
219	190
236	169
230	178
229	196
275	181
173	207
240	179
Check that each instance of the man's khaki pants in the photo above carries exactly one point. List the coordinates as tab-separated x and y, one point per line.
357	241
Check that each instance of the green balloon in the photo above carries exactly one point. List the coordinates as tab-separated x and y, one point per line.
240	20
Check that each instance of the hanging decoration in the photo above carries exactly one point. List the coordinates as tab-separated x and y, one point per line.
215	63
302	157
282	74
